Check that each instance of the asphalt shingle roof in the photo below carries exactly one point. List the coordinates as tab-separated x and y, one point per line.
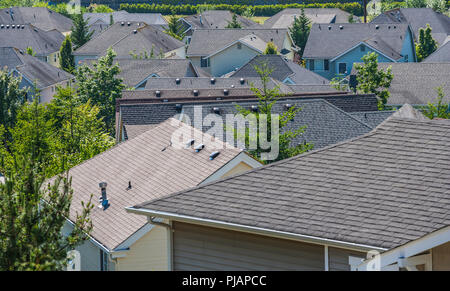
372	118
441	55
153	173
32	68
383	189
329	40
119	16
217	19
282	69
40	17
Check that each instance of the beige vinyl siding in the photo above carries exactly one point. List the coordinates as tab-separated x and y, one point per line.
441	257
149	253
240	168
338	258
205	248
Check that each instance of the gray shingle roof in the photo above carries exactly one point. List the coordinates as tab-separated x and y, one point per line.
153	173
217	19
416	83
27	35
40	17
285	17
282	69
118	16
418	18
383	189
372	118
208	41
325	123
441	55
32	68
328	43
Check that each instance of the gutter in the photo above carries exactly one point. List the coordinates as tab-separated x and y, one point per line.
254	230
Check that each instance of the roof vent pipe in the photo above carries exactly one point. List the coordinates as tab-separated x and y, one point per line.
213	155
104	203
190	143
199	147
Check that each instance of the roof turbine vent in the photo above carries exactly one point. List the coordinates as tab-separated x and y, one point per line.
104	203
199	148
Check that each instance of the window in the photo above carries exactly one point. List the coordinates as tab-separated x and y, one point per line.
204	62
326	65
311	65
342	68
362	48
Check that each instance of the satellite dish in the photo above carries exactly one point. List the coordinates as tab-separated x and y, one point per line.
374	7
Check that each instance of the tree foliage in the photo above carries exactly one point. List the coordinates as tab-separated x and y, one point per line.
439	109
426	45
66	59
175	28
300	30
100	84
372	80
267	97
234	23
80	31
271	49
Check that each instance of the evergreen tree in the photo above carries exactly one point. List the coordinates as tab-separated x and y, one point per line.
174	28
271	49
111	19
300	30
439	109
100	84
80	31
372	80
267	97
30	51
427	44
234	22
66	59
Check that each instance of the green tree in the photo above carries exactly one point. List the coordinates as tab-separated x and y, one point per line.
267	97
416	3
80	31
426	45
300	30
32	214
11	99
66	59
30	51
100	84
234	22
174	28
439	109
438	5
111	19
372	80
271	49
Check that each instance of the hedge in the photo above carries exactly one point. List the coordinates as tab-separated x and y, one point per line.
259	10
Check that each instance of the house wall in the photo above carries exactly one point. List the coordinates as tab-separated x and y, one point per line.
230	59
287	44
441	257
149	253
338	258
239	168
408	48
53	59
205	248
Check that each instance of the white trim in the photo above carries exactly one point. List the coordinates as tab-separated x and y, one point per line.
355	46
152	75
253	230
412	248
326	263
241	157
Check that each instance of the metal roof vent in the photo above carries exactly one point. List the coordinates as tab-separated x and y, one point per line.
242	81
128	23
329	27
195	92
213	155
23	26
190	143
104	203
377	26
341	27
199	147
7	26
122	23
178	107
287	106
226	92
13	26
2	26
158	93
213	81
135	31
254	108
177	81
216	110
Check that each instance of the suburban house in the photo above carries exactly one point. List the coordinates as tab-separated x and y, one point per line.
441	55
332	49
418	18
130	39
212	19
45	44
283	70
33	72
136	72
378	201
169	158
40	17
285	18
97	22
220	51
416	83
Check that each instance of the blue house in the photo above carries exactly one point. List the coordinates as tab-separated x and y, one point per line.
332	49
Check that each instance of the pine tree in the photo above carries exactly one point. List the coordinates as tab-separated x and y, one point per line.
300	30
439	109
30	51
111	19
80	31
271	49
66	59
174	28
427	44
234	22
